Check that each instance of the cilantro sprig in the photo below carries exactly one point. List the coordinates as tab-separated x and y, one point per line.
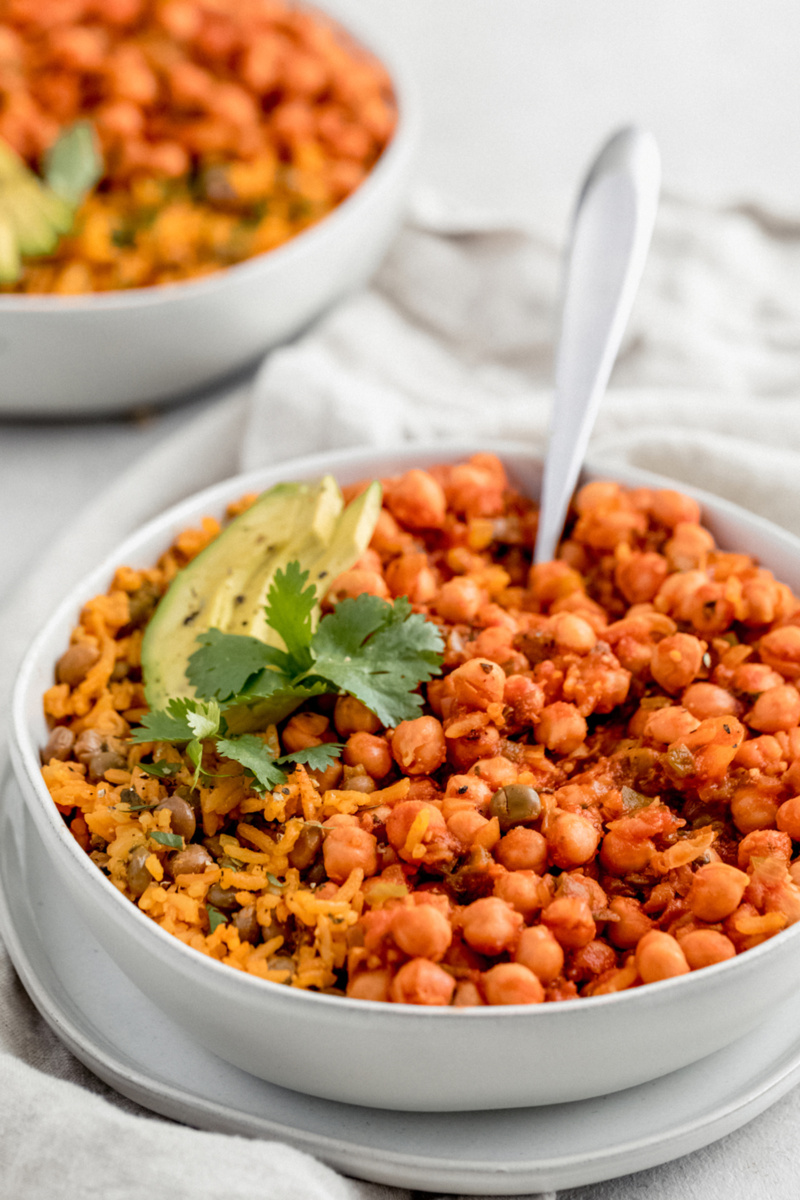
376	651
188	723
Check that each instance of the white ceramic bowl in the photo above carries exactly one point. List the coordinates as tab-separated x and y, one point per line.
386	1055
114	351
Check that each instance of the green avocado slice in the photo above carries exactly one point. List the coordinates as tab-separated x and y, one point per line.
226	586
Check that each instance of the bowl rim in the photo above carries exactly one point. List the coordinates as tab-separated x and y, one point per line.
397	153
25	756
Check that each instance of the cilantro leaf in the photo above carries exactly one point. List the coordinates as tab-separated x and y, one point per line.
73	164
180	721
289	610
215	917
317	758
194	752
161	770
379	653
255	757
173	840
225	662
204	721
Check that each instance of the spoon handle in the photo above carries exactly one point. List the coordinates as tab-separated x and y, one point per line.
611	232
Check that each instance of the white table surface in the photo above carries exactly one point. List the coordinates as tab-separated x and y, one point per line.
516	95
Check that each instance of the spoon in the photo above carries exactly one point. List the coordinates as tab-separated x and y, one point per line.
611	232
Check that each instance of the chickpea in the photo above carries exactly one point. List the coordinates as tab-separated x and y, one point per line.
539	951
475	491
459	600
422	982
573	634
600	494
778	708
523	890
417	500
763	598
369	751
553	580
467	995
351	716
478	683
752	678
400	821
570	921
787	818
490	925
689	547
704	700
370	985
704	947
422	931
572	840
411	575
419	746
670	508
388	539
624	854
640	576
633	922
780	649
669	724
347	848
676	661
466	824
496	771
522	849
764	843
470	787
304	730
358	581
561	728
467	751
759	753
752	808
659	956
512	983
717	890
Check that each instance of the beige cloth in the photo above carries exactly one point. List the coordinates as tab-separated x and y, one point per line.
454	339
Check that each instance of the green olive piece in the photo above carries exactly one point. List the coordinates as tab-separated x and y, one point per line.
515	804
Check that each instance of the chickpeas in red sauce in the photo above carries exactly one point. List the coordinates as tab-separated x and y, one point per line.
602	790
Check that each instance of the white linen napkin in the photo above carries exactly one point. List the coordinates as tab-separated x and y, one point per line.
455	337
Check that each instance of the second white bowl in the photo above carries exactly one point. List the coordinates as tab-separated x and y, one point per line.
389	1055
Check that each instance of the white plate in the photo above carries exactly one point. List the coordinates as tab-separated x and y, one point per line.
83	996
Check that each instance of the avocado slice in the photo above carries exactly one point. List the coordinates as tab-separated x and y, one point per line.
34	213
10	261
35	232
226	586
